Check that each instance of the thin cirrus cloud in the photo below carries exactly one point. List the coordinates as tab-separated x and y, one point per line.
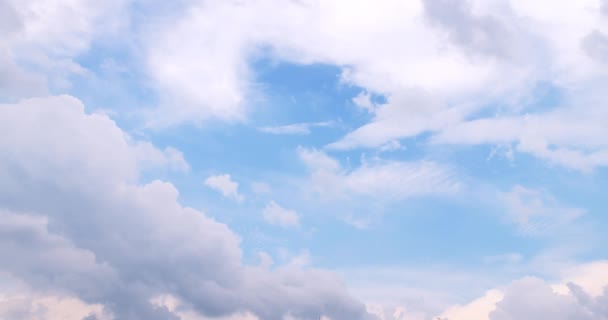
296	128
537	213
380	179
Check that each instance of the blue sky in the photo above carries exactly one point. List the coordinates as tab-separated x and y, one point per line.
397	160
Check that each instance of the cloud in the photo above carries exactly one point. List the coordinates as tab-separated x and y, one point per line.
77	221
296	129
534	298
364	101
208	75
223	183
380	179
150	156
537	213
580	293
275	214
578	145
469	56
41	40
30	306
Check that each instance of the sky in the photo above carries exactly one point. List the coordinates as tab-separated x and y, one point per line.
303	159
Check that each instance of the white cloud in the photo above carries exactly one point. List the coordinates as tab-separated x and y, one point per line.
478	309
224	184
536	212
364	101
149	156
42	38
579	144
77	221
467	55
275	214
533	298
581	293
296	128
209	76
388	180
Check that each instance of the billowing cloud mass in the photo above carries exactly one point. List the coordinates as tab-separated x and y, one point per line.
533	298
581	295
76	221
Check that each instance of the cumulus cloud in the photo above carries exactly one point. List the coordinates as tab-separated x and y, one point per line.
77	221
534	298
223	183
275	214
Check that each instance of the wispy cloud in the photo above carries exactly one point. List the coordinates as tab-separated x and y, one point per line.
296	128
377	178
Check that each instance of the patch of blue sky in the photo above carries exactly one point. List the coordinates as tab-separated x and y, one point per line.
115	82
408	232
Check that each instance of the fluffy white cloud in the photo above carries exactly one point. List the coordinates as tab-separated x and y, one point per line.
75	220
46	36
208	73
533	298
581	293
275	214
478	309
387	180
223	183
